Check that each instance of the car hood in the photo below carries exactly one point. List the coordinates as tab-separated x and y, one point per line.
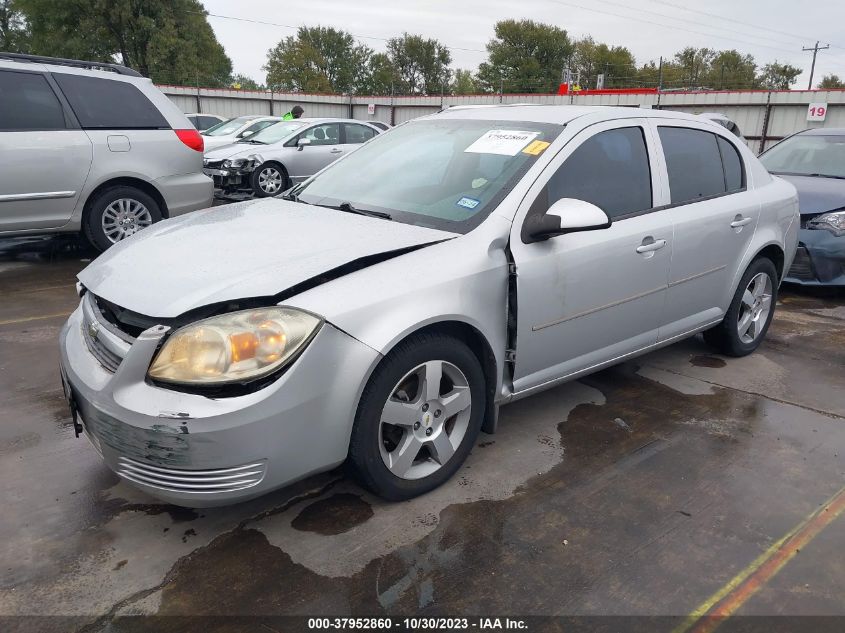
231	150
251	249
817	194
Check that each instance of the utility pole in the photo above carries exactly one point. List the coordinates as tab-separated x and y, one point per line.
815	50
660	76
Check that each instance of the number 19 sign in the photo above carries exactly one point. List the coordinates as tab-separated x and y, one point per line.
816	111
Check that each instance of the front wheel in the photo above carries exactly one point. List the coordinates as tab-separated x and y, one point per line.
418	417
269	180
750	313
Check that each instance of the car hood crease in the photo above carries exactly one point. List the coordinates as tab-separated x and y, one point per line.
239	251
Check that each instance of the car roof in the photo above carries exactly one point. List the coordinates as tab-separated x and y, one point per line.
824	131
560	114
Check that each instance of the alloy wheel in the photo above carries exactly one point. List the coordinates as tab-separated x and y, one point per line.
755	308
425	419
270	180
124	217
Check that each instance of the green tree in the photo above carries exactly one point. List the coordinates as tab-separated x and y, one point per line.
378	77
694	65
317	59
244	82
169	41
777	76
731	70
14	30
463	83
617	63
831	81
525	56
421	64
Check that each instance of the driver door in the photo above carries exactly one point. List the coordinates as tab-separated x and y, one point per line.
589	297
324	148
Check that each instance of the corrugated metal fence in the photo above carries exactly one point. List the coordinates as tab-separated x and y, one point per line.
763	116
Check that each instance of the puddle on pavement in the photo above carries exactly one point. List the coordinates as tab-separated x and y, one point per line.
336	514
705	360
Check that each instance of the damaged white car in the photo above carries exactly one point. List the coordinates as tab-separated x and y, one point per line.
382	312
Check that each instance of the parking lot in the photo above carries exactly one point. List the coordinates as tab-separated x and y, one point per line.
663	486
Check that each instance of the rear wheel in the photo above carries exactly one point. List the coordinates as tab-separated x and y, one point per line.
418	417
269	179
118	212
750	313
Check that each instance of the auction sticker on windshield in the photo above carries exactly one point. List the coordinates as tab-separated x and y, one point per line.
504	142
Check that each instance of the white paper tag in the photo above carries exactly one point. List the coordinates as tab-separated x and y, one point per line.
504	142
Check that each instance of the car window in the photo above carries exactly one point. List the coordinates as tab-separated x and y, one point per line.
610	170
256	127
358	133
326	134
806	155
273	132
225	128
693	162
109	104
206	121
732	164
193	121
27	102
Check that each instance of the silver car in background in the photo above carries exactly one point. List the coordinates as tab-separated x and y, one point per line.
98	151
385	309
234	130
284	154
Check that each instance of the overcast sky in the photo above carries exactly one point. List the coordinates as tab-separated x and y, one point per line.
649	28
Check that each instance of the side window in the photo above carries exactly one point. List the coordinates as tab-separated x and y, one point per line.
358	133
109	104
27	102
194	121
206	122
732	165
693	162
610	170
326	134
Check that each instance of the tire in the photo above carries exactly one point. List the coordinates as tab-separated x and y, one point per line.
761	282
268	180
399	390
116	213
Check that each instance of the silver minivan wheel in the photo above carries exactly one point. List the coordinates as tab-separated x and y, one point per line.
125	217
755	308
425	419
270	180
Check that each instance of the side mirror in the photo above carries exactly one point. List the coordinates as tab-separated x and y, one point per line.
567	215
301	143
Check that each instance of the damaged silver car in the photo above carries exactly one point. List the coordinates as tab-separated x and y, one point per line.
383	311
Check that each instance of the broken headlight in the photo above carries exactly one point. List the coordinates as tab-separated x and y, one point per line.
237	163
234	348
833	222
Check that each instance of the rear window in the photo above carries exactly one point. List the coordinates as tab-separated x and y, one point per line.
27	102
109	104
694	163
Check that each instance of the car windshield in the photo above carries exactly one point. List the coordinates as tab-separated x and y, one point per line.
807	155
441	173
227	127
274	133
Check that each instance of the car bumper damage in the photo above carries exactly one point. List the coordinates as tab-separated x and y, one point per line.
195	450
819	260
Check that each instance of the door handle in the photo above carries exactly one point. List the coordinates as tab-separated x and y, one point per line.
336	151
650	245
740	221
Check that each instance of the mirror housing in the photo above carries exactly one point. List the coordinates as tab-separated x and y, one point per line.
301	143
567	215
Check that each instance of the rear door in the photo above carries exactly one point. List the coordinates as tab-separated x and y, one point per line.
715	216
45	156
355	134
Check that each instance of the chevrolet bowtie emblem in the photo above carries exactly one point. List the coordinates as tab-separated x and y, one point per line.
93	330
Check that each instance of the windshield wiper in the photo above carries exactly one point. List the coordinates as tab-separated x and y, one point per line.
252	142
826	176
797	173
348	208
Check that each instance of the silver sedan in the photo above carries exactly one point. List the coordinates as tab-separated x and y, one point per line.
383	312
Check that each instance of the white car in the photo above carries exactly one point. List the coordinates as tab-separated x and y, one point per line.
233	130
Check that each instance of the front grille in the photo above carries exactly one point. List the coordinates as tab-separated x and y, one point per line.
192	481
105	357
802	265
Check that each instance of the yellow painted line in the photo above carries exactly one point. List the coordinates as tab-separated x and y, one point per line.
35	318
725	602
62	287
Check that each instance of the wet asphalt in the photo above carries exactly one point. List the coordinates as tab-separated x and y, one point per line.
640	490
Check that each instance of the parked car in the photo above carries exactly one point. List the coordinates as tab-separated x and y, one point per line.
724	121
382	126
203	121
814	161
385	308
269	162
92	147
236	129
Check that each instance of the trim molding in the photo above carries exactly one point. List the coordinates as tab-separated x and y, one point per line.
672	284
535	328
12	197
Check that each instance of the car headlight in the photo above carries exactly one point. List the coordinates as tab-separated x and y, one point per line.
833	222
236	163
233	348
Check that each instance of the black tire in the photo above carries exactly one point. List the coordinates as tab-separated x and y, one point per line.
255	178
725	337
92	222
365	457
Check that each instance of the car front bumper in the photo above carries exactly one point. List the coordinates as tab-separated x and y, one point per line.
198	451
819	260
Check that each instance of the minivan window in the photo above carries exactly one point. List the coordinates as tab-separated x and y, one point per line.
610	170
693	162
109	104
732	165
28	103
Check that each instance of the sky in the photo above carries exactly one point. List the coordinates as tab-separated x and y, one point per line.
649	28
